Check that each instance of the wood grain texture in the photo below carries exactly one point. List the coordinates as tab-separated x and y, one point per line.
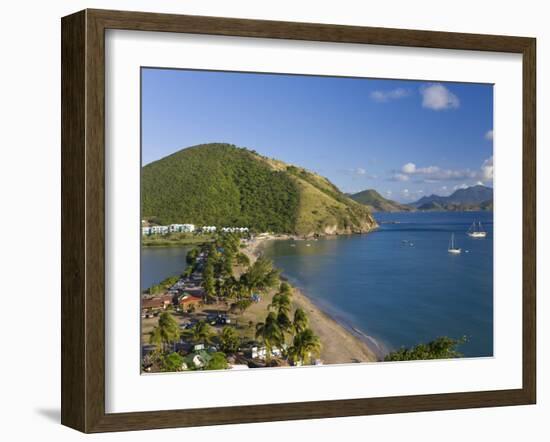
83	219
73	252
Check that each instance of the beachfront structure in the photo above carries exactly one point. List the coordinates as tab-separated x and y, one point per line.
196	360
261	352
234	229
185	228
159	230
156	303
187	300
188	228
163	230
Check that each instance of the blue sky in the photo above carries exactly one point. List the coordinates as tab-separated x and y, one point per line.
405	139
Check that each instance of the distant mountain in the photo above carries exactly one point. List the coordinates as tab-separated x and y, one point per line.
224	185
377	203
472	198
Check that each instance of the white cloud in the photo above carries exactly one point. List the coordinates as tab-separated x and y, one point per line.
399	177
438	97
461	186
487	169
431	174
385	96
409	168
479	183
489	135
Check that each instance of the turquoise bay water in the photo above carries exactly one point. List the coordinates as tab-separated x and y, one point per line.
397	293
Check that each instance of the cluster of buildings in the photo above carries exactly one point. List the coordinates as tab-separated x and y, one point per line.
187	228
163	230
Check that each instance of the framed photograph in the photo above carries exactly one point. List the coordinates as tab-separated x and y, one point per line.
268	220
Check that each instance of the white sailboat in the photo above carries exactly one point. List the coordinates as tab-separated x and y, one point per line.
452	248
476	231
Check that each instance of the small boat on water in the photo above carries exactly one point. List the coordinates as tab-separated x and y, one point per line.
452	248
476	231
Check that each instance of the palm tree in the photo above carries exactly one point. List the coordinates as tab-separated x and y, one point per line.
166	332
270	333
301	321
285	288
199	333
280	303
155	338
242	259
284	321
229	340
229	288
260	276
305	345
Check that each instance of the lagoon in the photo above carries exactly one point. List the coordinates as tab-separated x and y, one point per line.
159	263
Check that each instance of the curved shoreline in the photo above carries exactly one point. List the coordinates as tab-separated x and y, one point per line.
341	344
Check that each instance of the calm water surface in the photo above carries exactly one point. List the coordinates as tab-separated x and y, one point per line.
158	263
398	293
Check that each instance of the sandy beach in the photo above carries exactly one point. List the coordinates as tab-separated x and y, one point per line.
339	345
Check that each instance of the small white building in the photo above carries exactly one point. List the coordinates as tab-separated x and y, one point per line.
145	231
159	230
234	229
261	352
208	229
186	228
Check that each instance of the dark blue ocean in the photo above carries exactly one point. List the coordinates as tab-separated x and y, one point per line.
402	293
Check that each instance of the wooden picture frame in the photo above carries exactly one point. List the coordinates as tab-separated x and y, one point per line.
83	219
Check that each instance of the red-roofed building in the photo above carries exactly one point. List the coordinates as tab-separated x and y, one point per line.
186	300
156	302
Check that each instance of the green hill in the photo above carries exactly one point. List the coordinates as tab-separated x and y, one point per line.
224	185
377	203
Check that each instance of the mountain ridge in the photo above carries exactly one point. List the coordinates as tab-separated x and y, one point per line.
225	185
377	203
476	197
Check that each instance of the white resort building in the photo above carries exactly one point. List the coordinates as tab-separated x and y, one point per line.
187	228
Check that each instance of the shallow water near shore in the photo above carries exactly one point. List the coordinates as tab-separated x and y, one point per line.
399	284
159	263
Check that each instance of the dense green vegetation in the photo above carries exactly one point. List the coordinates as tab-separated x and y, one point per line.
224	185
441	348
377	203
237	288
162	286
219	184
175	239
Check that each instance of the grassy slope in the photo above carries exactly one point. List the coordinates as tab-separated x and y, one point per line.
220	184
377	203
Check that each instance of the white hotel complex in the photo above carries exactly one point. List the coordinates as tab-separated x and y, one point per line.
187	228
